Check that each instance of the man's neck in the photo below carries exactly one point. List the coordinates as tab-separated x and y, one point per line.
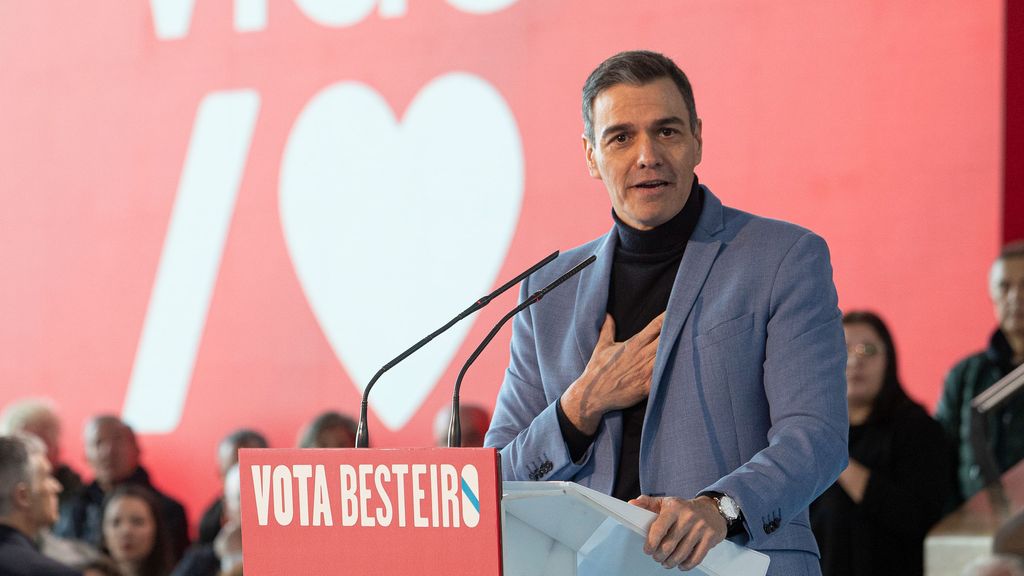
1016	342
21	525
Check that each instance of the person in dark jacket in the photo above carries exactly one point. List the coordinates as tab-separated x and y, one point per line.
28	504
113	454
976	373
873	520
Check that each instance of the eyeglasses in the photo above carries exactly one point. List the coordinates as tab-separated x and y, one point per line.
863	350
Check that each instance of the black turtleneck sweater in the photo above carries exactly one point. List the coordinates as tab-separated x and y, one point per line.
643	273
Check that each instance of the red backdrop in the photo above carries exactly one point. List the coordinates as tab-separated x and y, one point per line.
216	218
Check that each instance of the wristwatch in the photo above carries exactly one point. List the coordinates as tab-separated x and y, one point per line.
727	507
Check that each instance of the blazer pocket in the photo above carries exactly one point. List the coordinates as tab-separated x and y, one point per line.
725	330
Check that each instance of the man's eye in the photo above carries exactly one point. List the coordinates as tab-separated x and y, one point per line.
620	138
668	131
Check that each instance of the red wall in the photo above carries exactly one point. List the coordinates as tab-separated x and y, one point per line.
204	219
1013	168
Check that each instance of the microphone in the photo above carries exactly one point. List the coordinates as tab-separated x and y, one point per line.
362	434
455	424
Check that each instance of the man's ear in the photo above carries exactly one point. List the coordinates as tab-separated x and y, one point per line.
588	152
21	496
700	139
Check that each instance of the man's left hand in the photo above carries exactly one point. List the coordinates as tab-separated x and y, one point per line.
684	530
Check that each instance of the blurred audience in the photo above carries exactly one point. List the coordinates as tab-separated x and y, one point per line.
473	422
329	430
134	533
225	553
979	371
38	417
996	565
28	504
227	456
873	520
113	454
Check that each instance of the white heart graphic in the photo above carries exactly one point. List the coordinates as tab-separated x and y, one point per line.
394	229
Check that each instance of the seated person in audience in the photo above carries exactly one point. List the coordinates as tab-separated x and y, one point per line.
996	565
227	456
225	553
473	421
28	503
134	533
977	372
329	430
113	453
873	520
37	416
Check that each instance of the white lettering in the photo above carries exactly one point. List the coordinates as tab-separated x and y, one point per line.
481	6
261	490
250	15
337	14
400	470
418	470
321	499
380	476
349	506
171	18
449	495
283	508
190	260
302	473
433	495
364	495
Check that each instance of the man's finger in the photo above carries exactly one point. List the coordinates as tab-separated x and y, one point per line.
647	503
658	530
685	550
607	336
698	553
653	328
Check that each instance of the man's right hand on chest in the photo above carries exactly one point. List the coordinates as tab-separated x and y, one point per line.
617	376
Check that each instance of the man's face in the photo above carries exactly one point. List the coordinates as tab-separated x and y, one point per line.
44	491
644	150
47	428
111	450
1006	286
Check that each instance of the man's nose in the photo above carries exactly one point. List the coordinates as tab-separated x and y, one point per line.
648	152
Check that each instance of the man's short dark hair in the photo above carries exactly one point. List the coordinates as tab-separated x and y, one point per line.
637	67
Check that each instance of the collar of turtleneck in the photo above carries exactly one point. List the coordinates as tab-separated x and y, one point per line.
668	237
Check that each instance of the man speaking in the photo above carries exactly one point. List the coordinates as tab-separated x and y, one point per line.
697	368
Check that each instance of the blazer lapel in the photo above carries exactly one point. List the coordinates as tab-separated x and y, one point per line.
592	297
701	251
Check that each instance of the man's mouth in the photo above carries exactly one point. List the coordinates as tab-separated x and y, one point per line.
651	184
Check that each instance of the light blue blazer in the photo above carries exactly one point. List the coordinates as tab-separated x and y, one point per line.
748	395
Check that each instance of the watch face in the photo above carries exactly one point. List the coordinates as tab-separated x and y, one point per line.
728	508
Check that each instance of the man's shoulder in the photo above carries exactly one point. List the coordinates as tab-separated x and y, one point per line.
757	230
18	556
969	367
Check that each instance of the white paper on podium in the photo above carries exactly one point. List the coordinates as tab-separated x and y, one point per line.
608	534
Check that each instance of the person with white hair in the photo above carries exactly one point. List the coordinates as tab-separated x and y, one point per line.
28	504
38	416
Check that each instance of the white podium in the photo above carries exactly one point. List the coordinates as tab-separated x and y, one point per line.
562	528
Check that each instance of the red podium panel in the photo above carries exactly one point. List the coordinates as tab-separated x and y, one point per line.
371	511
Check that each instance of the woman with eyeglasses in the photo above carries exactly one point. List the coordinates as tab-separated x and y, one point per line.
873	520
